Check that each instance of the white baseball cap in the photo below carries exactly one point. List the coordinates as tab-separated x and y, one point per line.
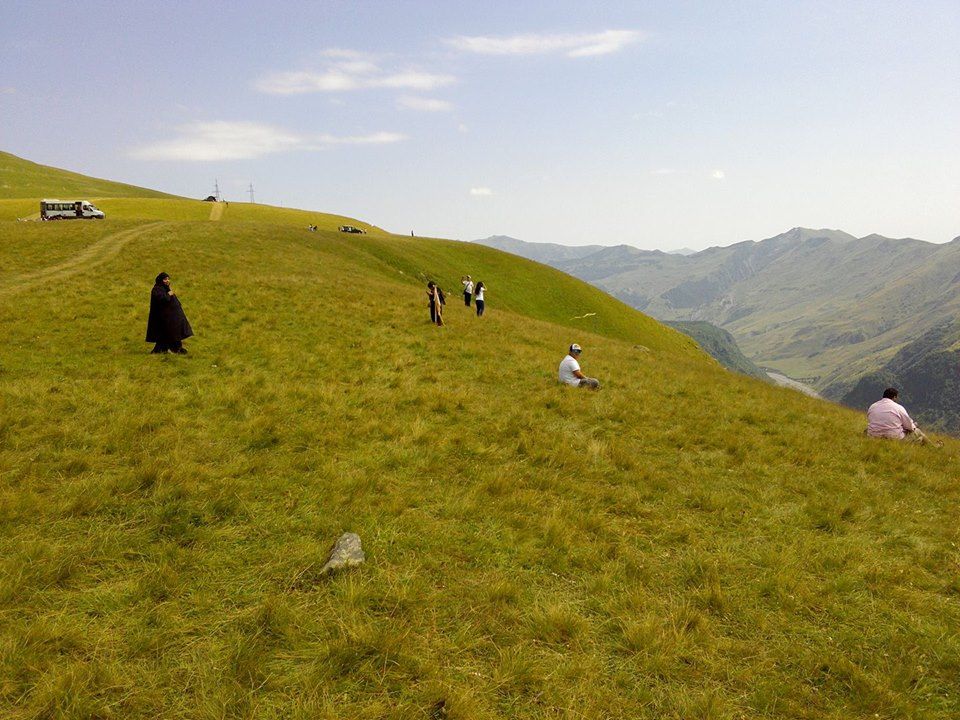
575	348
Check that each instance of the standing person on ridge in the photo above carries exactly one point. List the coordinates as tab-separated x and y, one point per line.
478	296
467	289
570	374
167	325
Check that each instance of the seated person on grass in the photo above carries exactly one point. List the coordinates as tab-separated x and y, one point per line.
887	418
570	371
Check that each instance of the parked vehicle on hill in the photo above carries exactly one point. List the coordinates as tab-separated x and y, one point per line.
69	210
352	229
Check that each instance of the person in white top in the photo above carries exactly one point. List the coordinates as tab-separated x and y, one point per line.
570	373
887	418
478	296
467	289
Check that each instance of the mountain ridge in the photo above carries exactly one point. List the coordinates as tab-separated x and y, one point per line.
539	252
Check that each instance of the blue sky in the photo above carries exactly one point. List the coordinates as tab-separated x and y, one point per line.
658	124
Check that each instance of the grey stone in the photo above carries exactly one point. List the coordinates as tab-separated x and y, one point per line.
345	554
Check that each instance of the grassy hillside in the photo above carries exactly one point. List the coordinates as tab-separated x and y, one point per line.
21	178
686	543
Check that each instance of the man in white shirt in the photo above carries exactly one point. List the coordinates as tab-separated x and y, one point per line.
570	373
887	418
467	289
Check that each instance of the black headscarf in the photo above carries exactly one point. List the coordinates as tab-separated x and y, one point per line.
160	278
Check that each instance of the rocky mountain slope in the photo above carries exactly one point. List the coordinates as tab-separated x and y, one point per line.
720	344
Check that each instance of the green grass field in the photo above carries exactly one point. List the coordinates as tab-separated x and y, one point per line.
685	543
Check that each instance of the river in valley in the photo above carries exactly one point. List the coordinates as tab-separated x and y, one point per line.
784	381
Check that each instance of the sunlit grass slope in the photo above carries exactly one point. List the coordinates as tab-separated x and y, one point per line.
21	178
685	543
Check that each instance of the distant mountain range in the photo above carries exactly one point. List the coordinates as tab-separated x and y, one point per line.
546	253
840	313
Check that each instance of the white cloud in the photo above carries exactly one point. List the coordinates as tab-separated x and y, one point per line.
581	45
358	67
298	83
412	80
349	71
481	191
462	127
345	53
379	138
718	175
7	90
663	171
223	140
426	104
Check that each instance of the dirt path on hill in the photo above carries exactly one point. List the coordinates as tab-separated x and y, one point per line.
216	211
98	253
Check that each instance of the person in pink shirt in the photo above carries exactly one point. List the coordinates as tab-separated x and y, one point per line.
887	418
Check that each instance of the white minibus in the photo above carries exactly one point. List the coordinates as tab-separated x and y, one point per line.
69	210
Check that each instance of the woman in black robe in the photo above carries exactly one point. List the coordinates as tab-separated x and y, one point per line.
167	325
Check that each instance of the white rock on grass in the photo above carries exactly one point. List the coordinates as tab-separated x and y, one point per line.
345	554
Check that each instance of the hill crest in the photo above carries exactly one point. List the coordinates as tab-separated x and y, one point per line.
20	179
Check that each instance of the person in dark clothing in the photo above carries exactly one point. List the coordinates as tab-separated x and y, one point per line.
167	325
436	301
431	301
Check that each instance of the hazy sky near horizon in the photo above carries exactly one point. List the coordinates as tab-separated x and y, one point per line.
658	124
